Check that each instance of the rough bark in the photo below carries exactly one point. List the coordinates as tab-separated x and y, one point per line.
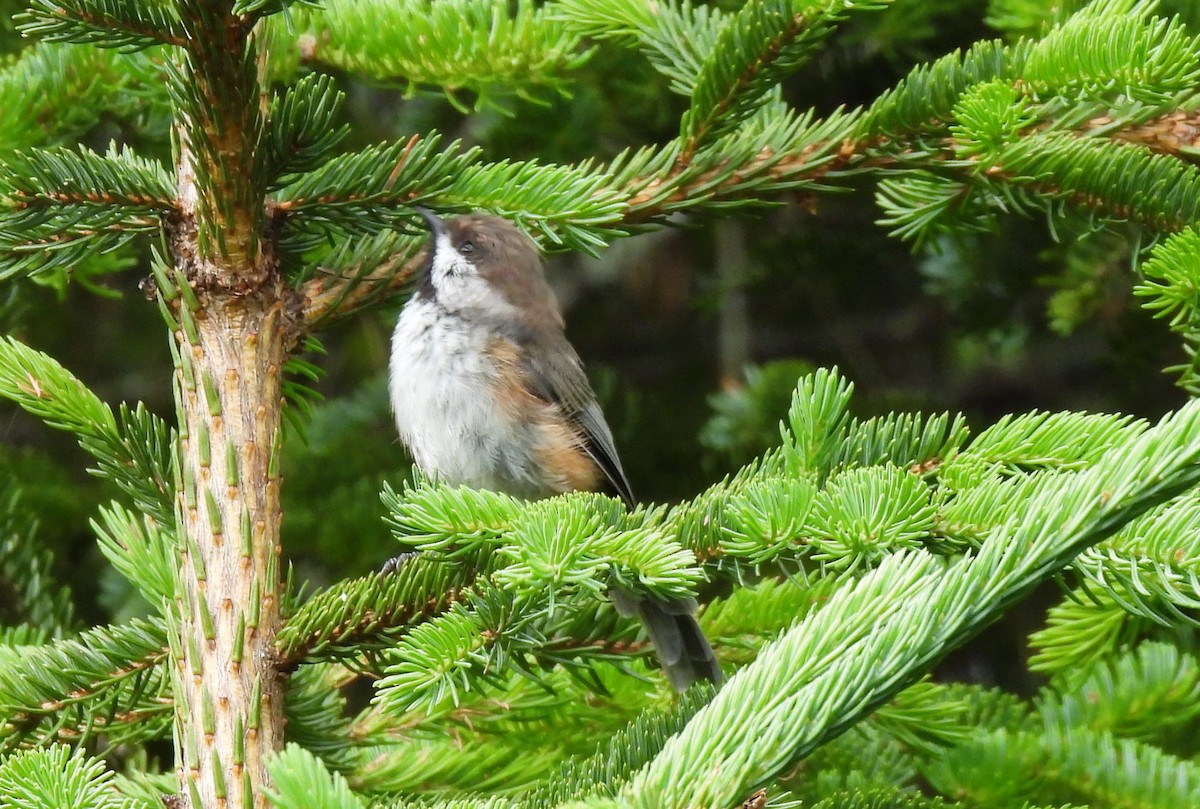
231	338
229	690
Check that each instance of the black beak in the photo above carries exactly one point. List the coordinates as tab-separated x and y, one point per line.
436	225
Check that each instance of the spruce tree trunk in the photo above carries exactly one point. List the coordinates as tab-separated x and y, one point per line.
231	331
229	694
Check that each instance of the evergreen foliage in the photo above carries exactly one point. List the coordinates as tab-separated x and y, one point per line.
57	776
109	681
836	567
489	50
105	23
52	93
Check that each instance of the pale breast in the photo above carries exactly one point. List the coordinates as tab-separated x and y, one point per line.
452	412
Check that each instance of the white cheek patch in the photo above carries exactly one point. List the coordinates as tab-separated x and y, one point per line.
461	288
447	263
457	281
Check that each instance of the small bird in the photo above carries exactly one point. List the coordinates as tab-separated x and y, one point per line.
488	393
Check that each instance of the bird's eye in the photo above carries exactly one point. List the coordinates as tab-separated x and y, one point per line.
466	248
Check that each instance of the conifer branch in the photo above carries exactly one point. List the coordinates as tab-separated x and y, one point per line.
39	251
1176	133
925	718
569	206
757	46
1086	765
49	91
812	495
134	452
911	440
141	550
303	128
862	515
143	790
983	498
1064	519
449	521
59	205
1148	566
953	72
119	24
109	680
364	614
262	8
567	542
766	521
299	778
574	207
1149	693
451	767
59	776
1024	160
1082	629
1040	173
675	35
879	798
496	630
319	717
486	48
800	152
1051	441
507	740
46	178
364	272
777	151
757	609
145	467
437	663
1115	48
617	759
1109	178
523	610
573	540
350	193
1170	286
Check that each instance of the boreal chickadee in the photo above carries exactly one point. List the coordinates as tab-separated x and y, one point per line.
488	393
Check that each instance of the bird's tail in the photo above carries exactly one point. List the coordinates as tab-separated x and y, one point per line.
683	651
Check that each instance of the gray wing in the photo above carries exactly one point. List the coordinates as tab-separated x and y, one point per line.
557	376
